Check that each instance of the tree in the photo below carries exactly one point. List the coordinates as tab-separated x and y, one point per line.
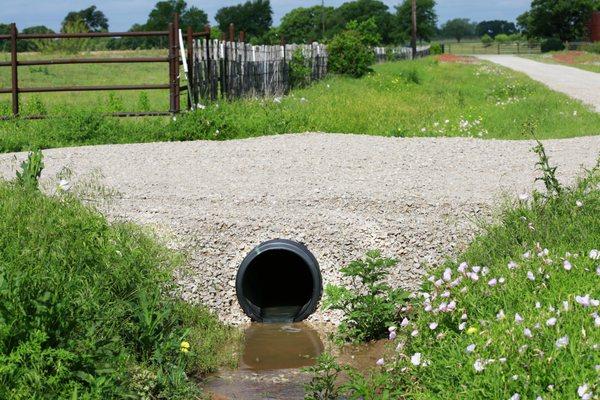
194	17
158	20
426	20
254	17
363	10
565	19
95	19
4	30
495	27
303	25
33	45
458	28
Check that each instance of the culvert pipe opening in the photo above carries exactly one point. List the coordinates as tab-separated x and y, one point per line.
279	281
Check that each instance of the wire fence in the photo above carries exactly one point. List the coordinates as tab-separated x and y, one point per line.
492	48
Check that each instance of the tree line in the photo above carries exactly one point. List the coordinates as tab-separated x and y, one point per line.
565	20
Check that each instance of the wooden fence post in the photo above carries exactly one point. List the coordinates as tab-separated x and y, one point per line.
192	100
14	68
176	62
171	70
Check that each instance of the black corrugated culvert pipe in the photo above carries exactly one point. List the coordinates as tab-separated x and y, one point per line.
279	281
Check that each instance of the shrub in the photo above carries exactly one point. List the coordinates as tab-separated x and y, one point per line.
487	40
552	44
592	47
300	70
350	51
435	48
370	309
86	307
502	38
31	170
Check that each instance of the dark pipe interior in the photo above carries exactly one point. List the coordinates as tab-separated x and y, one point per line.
279	282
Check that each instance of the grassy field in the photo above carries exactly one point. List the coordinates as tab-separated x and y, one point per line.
88	75
87	308
577	59
421	98
516	316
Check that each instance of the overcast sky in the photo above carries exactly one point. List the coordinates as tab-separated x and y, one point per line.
124	13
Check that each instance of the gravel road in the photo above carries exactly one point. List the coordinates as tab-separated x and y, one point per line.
575	82
417	199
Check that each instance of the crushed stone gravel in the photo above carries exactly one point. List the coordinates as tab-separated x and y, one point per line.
419	200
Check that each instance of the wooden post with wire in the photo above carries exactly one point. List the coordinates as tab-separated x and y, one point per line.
413	40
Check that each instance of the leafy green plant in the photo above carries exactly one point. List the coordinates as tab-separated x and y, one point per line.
413	76
300	70
31	170
143	101
552	44
436	48
114	102
551	183
370	306
487	40
350	51
323	384
592	47
89	309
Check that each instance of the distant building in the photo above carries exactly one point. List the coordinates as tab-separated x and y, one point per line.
595	27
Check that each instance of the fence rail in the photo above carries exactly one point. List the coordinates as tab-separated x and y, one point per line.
173	60
494	48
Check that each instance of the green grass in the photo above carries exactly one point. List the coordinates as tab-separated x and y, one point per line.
536	262
422	98
86	307
89	75
585	61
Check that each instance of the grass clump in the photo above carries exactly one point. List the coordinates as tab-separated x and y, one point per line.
87	307
517	315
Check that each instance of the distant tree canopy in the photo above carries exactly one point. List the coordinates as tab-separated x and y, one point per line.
495	27
32	45
158	20
563	19
95	19
426	20
304	25
361	11
254	17
458	28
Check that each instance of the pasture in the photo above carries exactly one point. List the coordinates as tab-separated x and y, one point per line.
428	97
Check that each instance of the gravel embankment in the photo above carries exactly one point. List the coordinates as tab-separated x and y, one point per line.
416	199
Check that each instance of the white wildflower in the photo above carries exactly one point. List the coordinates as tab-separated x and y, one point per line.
518	318
562	342
479	365
470	348
567	265
415	359
594	254
551	321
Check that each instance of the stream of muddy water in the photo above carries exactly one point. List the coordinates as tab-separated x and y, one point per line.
271	363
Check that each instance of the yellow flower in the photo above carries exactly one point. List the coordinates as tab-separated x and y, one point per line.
472	330
184	347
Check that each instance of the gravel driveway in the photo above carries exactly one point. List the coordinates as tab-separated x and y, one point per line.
415	198
575	82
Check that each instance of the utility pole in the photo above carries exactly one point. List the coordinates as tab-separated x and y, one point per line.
322	20
413	41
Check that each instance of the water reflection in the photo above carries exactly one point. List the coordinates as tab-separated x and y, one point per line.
280	346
